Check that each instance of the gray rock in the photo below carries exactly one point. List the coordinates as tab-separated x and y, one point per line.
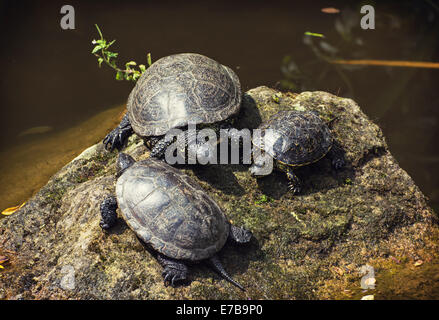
68	278
368	277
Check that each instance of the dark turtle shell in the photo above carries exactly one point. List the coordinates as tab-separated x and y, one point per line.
182	88
296	138
169	211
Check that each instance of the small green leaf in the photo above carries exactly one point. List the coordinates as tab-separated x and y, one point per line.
99	30
142	68
100	60
111	54
108	45
131	63
313	34
97	48
276	97
263	199
148	59
119	75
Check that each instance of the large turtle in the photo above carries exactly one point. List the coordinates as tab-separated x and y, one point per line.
171	213
294	139
173	92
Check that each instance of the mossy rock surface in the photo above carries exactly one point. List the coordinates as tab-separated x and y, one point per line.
307	246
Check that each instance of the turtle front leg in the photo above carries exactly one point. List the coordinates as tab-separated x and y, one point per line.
336	154
186	140
294	183
117	137
173	271
150	142
239	235
108	213
159	145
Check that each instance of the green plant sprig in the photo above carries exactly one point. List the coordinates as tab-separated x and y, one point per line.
263	199
131	72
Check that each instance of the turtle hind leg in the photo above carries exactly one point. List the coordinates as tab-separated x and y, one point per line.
239	235
117	137
158	149
218	267
336	154
294	183
159	146
173	271
108	213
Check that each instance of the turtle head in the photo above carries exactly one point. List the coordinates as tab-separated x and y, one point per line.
262	165
255	169
123	162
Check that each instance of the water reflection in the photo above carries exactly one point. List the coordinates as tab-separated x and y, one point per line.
28	166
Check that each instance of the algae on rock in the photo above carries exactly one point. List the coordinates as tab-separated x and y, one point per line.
306	246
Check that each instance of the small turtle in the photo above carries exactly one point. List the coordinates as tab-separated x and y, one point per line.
294	139
171	213
173	92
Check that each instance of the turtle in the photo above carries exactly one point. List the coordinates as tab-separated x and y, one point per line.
173	92
171	214
294	139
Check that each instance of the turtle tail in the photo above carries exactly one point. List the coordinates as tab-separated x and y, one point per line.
218	267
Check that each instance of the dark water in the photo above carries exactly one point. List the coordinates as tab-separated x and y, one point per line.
49	78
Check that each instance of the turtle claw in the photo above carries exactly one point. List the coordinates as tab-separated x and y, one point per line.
108	213
172	276
173	271
294	184
166	277
338	163
239	235
294	188
336	154
115	139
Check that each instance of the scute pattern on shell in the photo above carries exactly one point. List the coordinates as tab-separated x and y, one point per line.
296	138
169	211
180	88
